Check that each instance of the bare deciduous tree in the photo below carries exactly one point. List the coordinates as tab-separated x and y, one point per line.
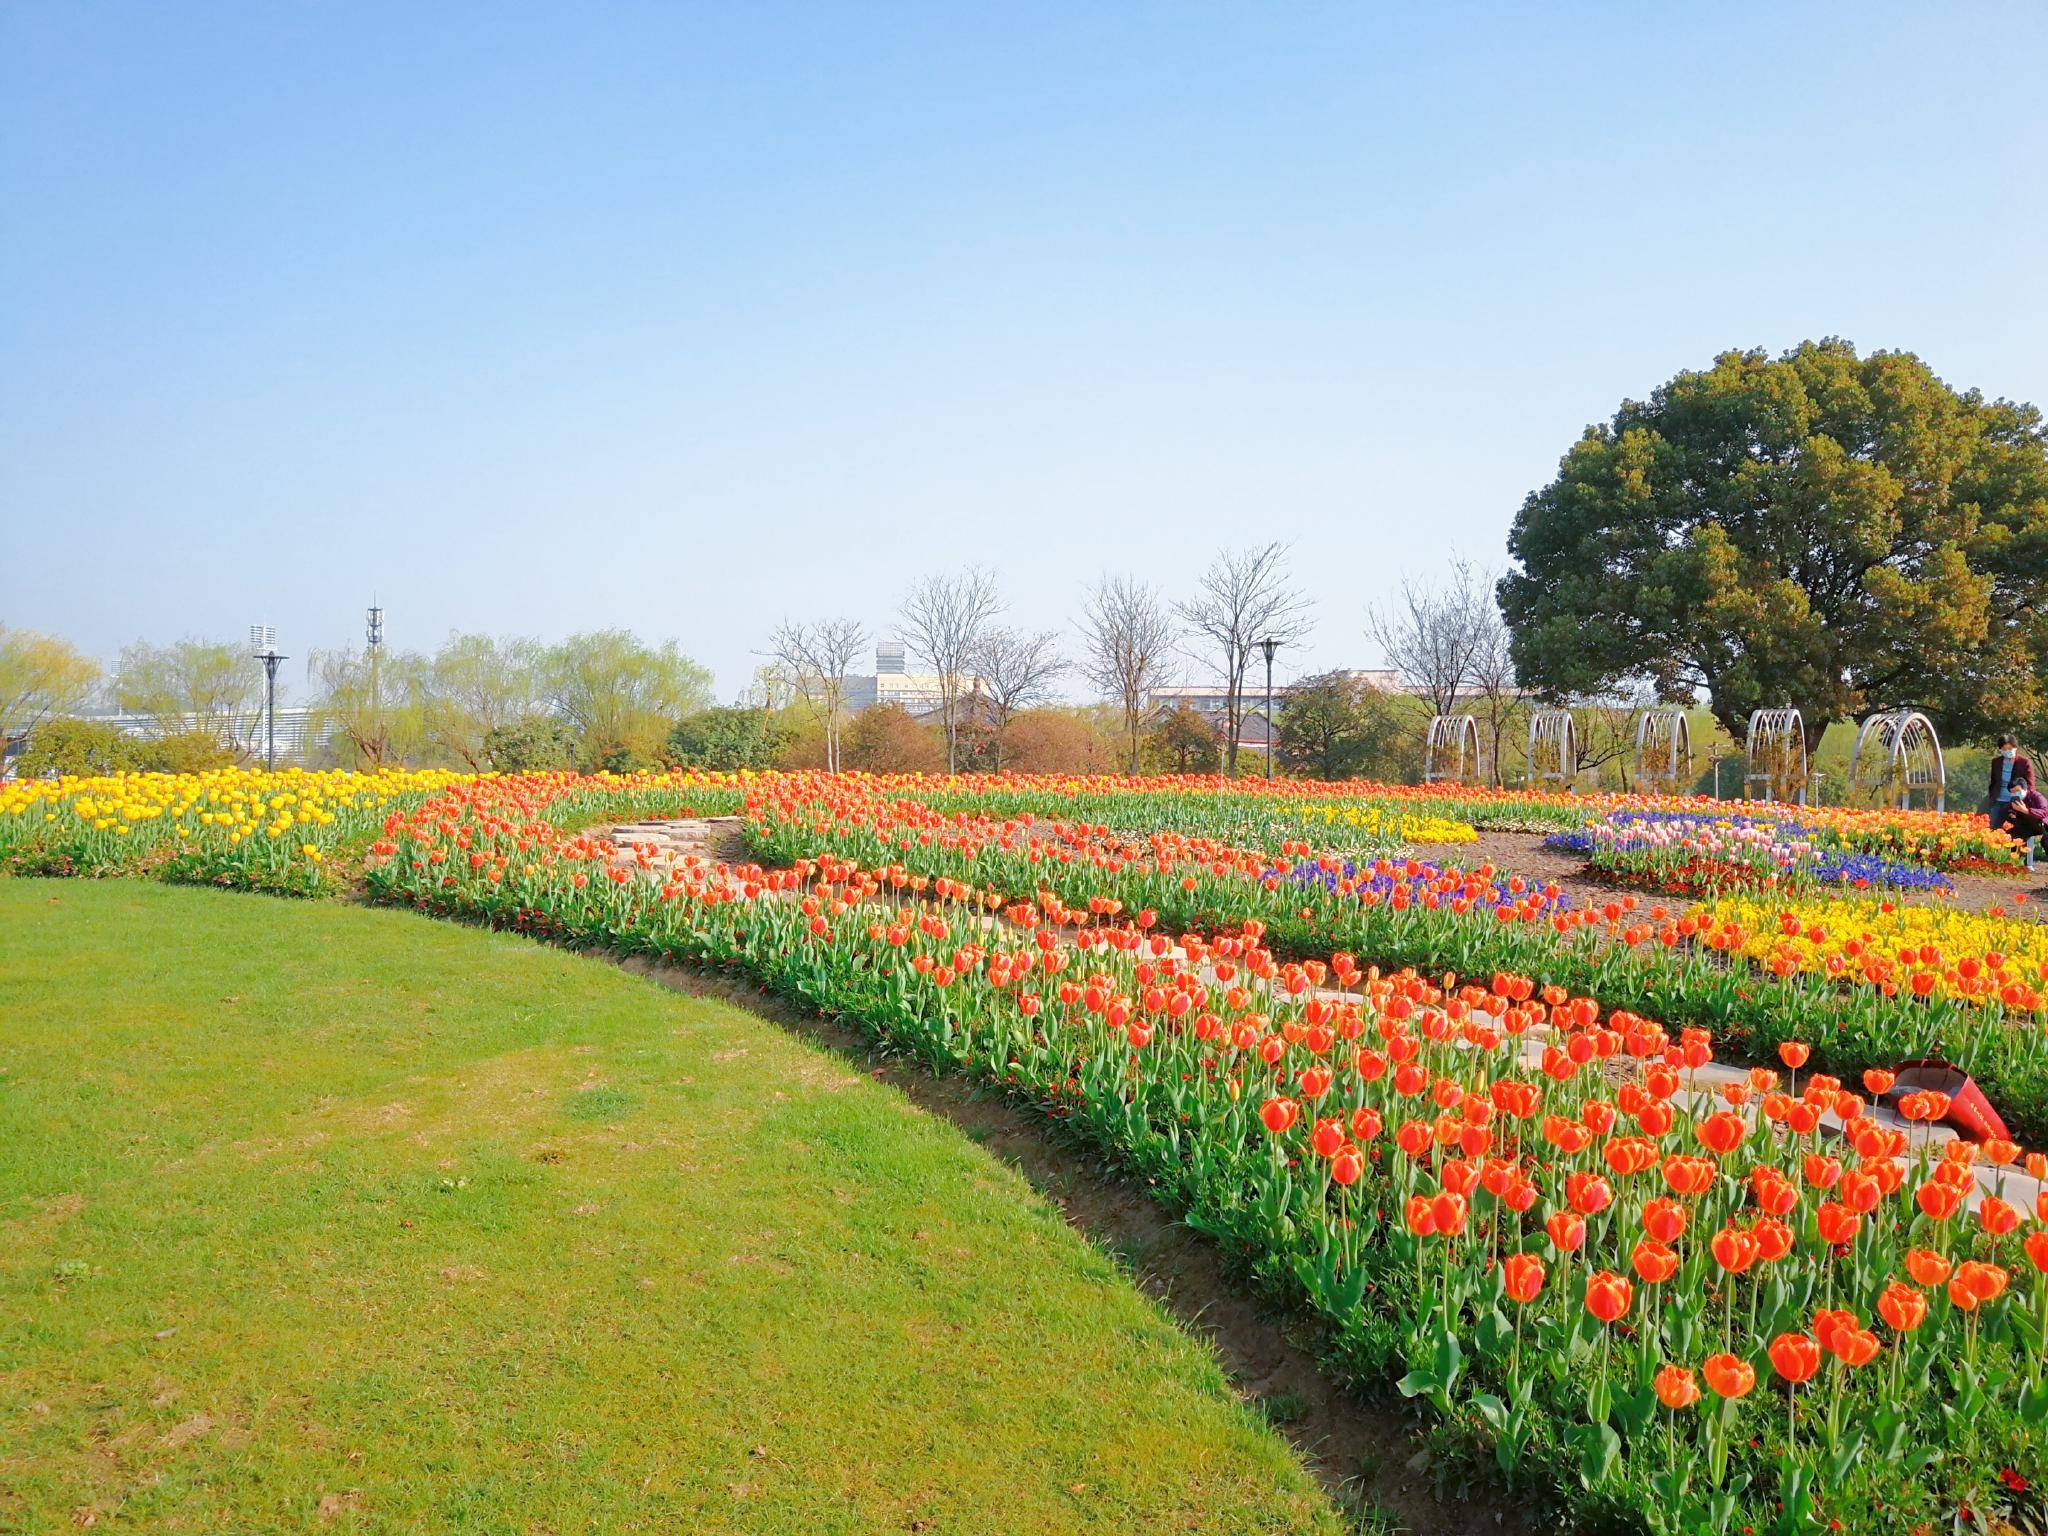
1245	598
1498	704
813	659
943	621
1127	637
1434	633
1605	730
1015	670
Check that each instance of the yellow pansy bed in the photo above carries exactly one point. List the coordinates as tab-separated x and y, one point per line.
1384	825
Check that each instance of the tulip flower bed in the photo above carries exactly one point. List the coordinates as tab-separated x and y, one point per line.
283	832
1259	813
1688	854
1680	966
1659	1306
274	832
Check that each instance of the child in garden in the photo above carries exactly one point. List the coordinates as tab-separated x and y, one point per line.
2028	819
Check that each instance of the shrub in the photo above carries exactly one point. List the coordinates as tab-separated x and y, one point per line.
530	744
725	739
1056	741
888	739
67	745
186	752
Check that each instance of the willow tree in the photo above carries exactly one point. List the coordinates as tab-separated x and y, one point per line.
1838	532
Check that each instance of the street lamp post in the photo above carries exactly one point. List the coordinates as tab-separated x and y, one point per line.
373	641
263	643
1269	645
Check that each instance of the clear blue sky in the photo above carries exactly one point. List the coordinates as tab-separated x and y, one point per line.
534	318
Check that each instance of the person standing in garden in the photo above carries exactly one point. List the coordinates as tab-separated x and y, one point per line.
2012	775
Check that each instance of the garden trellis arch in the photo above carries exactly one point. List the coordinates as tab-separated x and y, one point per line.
1663	749
1553	747
1452	752
1774	756
1898	752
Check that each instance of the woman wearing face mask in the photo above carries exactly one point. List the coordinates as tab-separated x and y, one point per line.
2012	775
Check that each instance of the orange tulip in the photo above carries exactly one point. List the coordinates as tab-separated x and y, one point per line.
1938	1200
1773	1239
1567	1230
1794	1053
1664	1219
1676	1388
1721	1132
1588	1193
1904	1307
1795	1357
1837	1223
1729	1376
1522	1276
1607	1295
1856	1347
1927	1267
1655	1262
1996	1217
1449	1211
1279	1115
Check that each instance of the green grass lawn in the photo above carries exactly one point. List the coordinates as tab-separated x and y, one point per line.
321	1218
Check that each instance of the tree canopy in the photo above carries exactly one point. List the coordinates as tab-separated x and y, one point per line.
1837	532
1337	726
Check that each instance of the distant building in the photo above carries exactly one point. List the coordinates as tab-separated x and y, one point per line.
921	693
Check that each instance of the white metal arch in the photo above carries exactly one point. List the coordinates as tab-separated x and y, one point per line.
1553	747
1775	755
1452	752
1898	752
1663	749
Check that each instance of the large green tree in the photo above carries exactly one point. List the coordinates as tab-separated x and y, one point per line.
1338	726
1837	532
